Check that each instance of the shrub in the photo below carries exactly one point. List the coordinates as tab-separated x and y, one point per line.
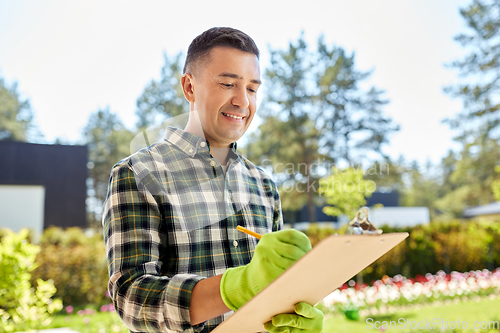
449	246
76	263
22	306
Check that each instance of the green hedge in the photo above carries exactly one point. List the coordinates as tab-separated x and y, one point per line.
76	263
452	246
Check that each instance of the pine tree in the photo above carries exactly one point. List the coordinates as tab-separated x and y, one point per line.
314	116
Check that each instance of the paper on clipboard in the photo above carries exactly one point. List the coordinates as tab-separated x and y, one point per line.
319	272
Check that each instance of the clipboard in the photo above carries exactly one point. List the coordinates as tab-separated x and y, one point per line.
331	263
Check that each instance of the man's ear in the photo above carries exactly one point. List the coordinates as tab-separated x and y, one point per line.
187	82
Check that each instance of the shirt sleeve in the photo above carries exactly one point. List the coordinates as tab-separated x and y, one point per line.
145	300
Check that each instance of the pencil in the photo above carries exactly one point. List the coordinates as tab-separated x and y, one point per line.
248	232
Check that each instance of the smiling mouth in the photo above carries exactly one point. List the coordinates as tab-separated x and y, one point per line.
233	116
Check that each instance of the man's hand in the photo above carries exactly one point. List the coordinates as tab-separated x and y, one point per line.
274	253
306	319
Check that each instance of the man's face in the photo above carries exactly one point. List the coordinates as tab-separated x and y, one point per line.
225	94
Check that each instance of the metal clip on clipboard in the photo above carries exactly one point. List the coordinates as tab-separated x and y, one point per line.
360	225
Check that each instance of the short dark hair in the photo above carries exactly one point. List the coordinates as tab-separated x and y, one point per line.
201	46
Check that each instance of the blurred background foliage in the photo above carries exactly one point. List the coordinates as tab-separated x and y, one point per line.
319	110
448	246
25	301
345	191
76	263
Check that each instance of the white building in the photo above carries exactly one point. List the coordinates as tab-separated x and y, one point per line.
399	216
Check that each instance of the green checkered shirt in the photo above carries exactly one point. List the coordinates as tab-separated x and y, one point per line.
170	220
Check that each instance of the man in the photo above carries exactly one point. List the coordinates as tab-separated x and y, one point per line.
176	261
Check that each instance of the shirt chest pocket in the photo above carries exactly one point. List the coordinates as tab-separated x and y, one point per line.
259	216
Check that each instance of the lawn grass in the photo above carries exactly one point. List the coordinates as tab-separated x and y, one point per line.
99	322
470	311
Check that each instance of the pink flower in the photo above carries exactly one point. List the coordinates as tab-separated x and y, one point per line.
69	309
107	307
88	311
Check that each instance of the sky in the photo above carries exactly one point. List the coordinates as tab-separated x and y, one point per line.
71	58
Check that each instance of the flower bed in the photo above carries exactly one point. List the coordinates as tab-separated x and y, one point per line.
400	291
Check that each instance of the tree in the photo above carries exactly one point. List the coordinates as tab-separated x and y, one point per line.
16	115
495	185
387	174
162	99
472	179
447	167
352	120
481	91
288	137
313	114
108	142
422	186
345	191
478	124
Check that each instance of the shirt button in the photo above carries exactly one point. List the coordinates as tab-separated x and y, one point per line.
212	163
203	144
235	243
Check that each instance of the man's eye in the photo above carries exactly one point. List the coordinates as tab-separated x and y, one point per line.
227	85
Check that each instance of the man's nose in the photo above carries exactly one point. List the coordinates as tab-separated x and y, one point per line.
240	98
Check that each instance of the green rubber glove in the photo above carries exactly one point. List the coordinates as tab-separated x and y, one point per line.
307	319
275	252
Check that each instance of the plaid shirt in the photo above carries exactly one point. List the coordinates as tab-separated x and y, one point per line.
170	220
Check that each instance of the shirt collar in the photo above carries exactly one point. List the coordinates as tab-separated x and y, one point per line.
190	143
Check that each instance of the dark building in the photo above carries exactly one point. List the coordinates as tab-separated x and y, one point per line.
303	215
60	169
388	199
